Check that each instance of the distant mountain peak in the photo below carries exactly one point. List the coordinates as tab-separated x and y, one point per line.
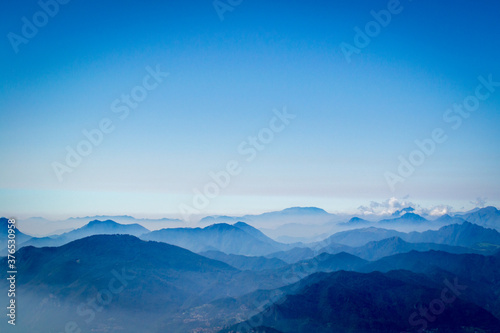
112	224
356	220
96	217
304	210
489	209
220	226
403	211
99	222
408	218
217	218
242	224
411	216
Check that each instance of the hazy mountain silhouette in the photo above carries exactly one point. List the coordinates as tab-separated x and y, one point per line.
288	216
41	227
356	222
293	255
239	238
463	235
447	220
95	227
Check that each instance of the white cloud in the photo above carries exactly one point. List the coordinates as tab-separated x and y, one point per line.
386	207
440	210
392	205
480	202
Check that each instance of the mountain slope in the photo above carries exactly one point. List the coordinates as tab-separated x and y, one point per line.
486	268
293	255
326	262
466	234
20	238
486	217
245	262
394	245
409	219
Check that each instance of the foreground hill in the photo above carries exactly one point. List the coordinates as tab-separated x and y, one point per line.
148	282
478	272
365	303
433	268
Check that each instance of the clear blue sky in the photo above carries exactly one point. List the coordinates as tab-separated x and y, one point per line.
353	119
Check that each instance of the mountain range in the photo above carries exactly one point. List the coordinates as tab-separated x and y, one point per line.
296	224
466	235
243	239
112	277
41	227
166	287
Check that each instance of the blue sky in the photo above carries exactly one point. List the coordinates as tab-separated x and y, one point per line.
352	119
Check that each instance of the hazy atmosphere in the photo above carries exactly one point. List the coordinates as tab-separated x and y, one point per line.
237	166
216	76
